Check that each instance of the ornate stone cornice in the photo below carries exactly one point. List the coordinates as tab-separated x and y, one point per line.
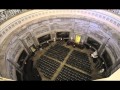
105	17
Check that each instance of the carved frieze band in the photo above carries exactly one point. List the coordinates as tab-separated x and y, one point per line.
93	13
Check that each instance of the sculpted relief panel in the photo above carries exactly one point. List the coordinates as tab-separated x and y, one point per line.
41	29
36	25
61	24
81	26
97	31
33	26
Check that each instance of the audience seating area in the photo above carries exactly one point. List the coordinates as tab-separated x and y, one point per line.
44	45
69	74
60	42
58	52
47	66
79	60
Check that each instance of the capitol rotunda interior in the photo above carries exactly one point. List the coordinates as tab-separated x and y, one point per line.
59	45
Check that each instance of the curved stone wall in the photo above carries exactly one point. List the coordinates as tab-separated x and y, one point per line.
98	24
115	11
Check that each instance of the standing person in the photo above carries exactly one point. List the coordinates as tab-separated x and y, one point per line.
94	55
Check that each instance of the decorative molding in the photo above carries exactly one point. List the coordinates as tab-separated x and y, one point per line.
9	13
115	11
71	13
